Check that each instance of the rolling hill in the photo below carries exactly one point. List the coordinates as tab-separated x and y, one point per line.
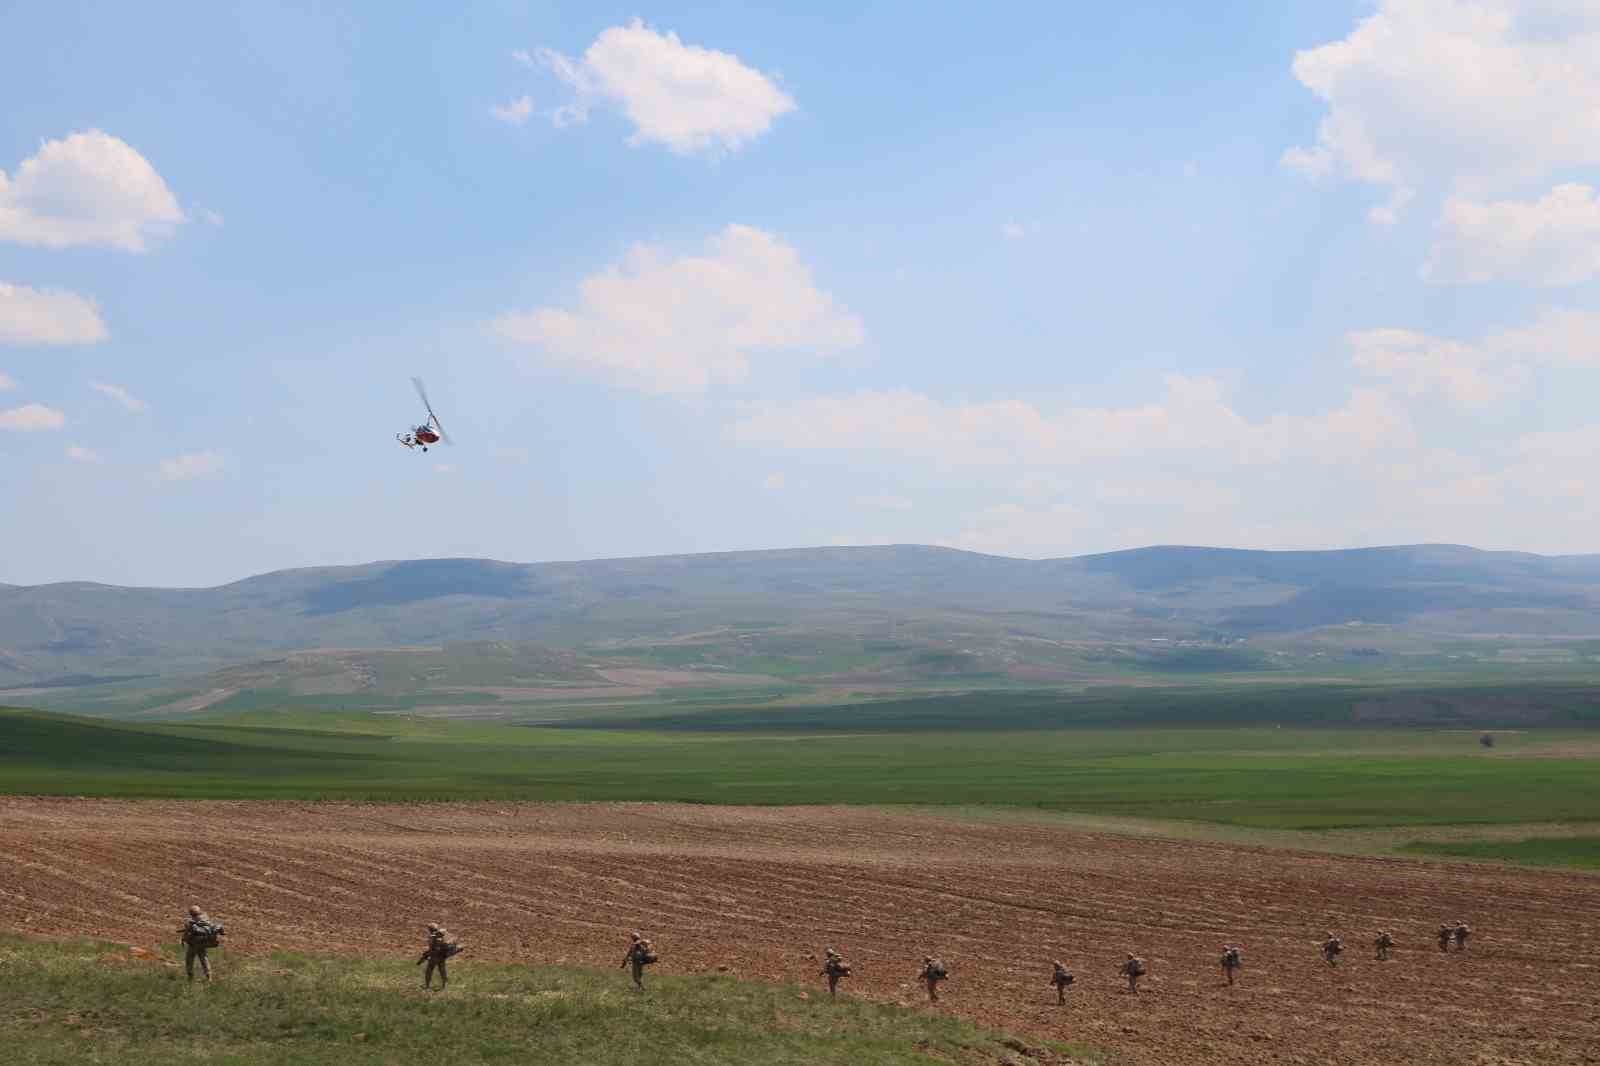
849	616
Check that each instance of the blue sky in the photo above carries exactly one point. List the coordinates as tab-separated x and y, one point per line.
1043	280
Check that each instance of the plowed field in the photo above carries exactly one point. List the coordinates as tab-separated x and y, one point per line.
761	891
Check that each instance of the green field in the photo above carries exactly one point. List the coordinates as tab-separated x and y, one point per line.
93	1003
1536	851
1279	778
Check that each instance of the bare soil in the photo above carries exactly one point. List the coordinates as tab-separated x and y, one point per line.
758	892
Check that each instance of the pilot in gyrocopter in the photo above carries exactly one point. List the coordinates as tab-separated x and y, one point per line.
430	432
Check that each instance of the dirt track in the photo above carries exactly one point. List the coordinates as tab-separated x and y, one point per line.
762	890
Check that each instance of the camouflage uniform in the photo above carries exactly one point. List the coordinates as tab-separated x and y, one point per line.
1460	934
833	968
933	971
197	935
638	957
1446	935
1232	960
1133	969
1331	948
440	948
1061	978
1383	943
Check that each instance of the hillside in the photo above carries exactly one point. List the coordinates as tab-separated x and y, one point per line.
869	616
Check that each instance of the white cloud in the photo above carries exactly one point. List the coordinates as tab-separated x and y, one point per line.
6	382
1013	231
1476	373
1468	91
208	216
79	454
87	188
31	418
663	324
1421	364
516	113
1552	241
523	56
1191	420
47	316
686	97
1556	338
191	465
127	400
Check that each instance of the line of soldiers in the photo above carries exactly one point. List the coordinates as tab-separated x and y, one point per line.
199	933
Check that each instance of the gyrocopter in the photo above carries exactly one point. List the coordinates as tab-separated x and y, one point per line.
430	432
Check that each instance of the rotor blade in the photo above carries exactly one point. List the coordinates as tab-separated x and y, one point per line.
422	394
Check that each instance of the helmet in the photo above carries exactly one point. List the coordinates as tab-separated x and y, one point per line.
433	927
194	908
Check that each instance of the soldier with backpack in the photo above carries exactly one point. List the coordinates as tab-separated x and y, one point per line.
1133	969
1331	949
933	971
1232	961
440	948
1384	943
199	934
1460	934
833	968
1446	935
1060	979
640	954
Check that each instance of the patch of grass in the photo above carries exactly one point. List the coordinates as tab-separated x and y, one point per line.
94	1003
1274	778
1535	851
1235	703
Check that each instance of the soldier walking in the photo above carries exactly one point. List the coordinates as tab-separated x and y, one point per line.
1133	969
1331	948
440	948
1384	943
198	934
1460	934
640	954
933	971
1446	935
833	968
1232	961
1060	979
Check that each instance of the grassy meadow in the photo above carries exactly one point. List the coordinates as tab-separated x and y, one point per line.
1535	851
1249	776
95	1003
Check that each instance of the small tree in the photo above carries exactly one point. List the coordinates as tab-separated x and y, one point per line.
1487	740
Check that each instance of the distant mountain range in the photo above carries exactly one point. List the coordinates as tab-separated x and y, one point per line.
851	613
